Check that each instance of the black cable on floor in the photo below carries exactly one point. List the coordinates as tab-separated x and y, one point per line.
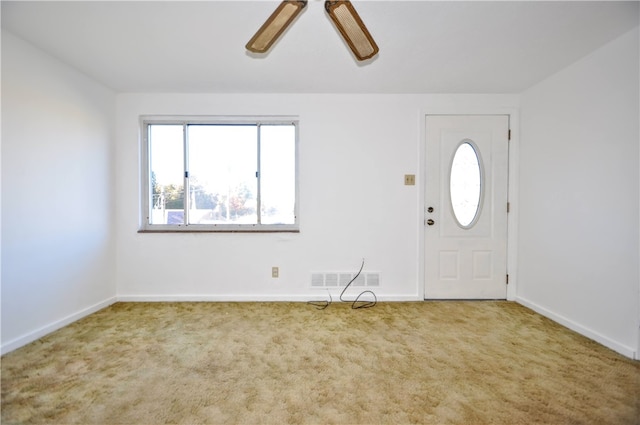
364	304
321	305
356	303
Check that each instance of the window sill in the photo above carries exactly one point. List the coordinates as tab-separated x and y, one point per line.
188	230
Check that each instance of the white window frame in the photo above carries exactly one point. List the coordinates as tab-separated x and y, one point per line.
145	173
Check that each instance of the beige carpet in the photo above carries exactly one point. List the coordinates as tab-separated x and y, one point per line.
273	363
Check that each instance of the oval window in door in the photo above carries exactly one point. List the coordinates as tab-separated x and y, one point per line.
465	184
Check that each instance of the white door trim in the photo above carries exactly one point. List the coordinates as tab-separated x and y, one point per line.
512	218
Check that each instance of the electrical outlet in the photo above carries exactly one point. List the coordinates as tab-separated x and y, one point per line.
275	272
409	179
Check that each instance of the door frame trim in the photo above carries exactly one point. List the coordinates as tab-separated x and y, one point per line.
512	194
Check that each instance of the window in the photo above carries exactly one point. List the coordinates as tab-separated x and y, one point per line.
466	184
219	175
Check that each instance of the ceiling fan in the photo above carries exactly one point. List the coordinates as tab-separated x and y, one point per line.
343	15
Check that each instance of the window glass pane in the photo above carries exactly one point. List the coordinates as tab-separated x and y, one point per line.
222	174
166	162
277	174
465	184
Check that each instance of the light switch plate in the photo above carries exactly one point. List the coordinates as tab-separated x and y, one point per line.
409	179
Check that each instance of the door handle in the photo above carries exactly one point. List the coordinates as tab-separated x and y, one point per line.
430	222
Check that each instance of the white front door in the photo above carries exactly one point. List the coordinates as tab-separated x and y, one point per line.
466	206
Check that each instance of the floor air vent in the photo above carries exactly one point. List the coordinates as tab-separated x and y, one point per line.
342	279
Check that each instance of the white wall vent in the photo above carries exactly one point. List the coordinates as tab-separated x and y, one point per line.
342	279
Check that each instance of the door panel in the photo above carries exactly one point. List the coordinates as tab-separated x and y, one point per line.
467	258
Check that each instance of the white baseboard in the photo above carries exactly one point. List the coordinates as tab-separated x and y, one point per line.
208	298
582	330
45	330
256	298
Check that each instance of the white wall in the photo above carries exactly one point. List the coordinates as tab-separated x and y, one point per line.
579	196
57	207
354	152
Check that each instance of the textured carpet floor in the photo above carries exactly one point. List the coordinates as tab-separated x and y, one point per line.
250	363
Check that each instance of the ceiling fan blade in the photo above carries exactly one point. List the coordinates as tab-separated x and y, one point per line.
352	28
275	25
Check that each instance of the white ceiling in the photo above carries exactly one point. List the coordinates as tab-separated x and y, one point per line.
425	46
